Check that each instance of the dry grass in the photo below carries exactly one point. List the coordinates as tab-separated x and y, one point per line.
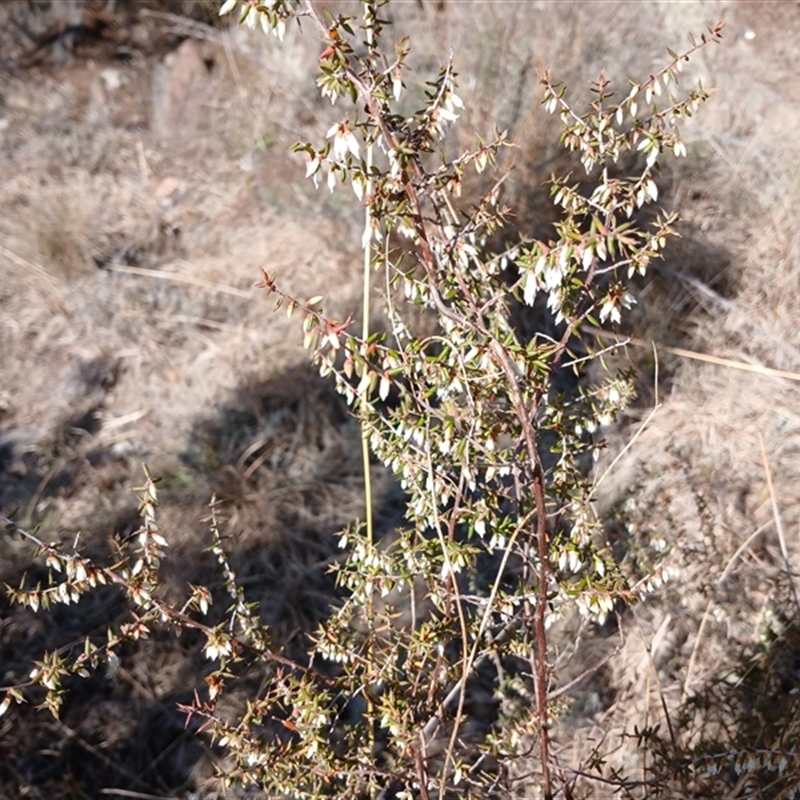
130	333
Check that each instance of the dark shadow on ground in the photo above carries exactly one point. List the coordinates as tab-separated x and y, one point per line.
282	457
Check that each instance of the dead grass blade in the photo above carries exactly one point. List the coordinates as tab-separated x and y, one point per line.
177	278
722	362
760	369
29	267
778	522
136	795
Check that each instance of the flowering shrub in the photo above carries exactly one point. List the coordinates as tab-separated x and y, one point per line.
501	539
